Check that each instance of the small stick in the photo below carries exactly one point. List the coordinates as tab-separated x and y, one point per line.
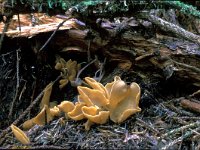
170	27
188	117
177	110
23	89
195	124
45	44
195	69
78	81
19	23
33	93
100	71
194	94
88	51
47	147
147	126
17	85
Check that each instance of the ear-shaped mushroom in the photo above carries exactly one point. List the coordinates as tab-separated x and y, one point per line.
116	90
63	83
116	100
76	113
68	70
92	97
95	85
72	70
43	117
20	135
66	106
46	115
46	96
54	111
124	101
94	114
28	124
58	66
60	63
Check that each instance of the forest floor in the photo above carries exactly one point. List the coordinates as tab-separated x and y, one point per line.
166	120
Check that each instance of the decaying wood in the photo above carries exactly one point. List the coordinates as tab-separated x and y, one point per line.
29	31
193	106
159	55
167	26
182	62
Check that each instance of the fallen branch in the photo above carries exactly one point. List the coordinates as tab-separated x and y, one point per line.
167	26
174	131
190	105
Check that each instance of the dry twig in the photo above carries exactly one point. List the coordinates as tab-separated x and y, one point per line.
194	124
17	85
52	35
147	126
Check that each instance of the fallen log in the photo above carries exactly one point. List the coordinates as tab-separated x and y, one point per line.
159	56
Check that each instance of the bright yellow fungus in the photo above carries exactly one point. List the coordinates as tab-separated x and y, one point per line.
20	135
115	100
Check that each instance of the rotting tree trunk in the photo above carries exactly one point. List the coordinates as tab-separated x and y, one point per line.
149	55
159	56
183	60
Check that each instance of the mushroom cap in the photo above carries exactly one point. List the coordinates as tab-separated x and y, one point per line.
63	83
72	70
20	135
76	113
60	62
46	96
67	63
92	97
116	100
127	105
68	70
55	111
95	115
66	106
83	98
43	117
58	66
95	85
28	124
117	91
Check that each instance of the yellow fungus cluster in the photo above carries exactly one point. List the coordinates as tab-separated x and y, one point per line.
116	101
68	70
